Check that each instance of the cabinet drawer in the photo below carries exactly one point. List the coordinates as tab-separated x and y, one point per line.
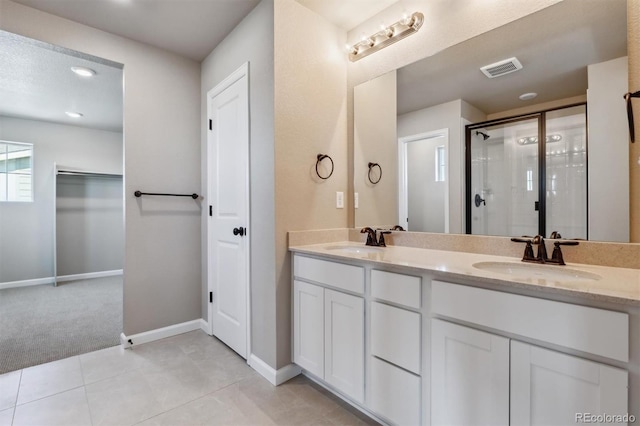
396	288
395	336
394	393
591	330
345	277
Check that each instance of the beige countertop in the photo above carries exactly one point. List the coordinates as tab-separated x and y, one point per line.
617	285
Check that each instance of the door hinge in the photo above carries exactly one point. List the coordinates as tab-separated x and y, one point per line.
210	124
210	210
536	206
210	297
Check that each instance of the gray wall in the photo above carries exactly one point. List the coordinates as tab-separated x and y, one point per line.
251	41
608	144
89	224
26	229
162	276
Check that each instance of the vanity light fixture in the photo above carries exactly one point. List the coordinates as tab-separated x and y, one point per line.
83	71
73	114
386	36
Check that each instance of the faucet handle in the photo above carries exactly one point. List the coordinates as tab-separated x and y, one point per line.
382	243
556	256
555	235
397	228
528	249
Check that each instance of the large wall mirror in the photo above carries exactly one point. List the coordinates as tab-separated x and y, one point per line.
415	122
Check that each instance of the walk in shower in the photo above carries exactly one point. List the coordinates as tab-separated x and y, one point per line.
527	175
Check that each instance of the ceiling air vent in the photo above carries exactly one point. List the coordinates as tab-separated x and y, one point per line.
501	68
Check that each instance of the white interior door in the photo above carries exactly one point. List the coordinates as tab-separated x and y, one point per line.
228	183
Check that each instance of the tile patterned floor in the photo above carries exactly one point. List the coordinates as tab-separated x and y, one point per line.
190	379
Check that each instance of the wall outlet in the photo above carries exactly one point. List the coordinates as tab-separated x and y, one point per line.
339	200
356	200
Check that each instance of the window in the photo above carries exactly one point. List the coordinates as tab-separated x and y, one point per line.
16	171
440	164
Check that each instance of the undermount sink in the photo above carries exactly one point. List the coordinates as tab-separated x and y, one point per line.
356	249
534	271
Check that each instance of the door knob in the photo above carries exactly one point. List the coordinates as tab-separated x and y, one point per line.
238	231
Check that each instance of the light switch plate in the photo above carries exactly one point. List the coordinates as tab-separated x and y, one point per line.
356	200
339	200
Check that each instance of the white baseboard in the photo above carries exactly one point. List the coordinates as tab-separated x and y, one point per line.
61	279
354	404
274	377
89	275
159	333
204	326
26	283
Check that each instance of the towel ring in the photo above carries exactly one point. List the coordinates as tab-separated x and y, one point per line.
371	166
320	158
627	98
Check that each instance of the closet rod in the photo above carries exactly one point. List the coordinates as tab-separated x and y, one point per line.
140	194
92	174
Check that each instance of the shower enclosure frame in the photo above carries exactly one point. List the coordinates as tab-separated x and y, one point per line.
542	166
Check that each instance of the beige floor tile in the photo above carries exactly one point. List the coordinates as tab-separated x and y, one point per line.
180	383
49	379
227	406
122	400
6	417
9	384
110	362
66	409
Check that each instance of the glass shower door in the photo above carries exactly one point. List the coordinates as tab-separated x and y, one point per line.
503	196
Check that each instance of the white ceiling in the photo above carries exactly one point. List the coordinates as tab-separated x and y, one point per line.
347	14
191	28
36	82
554	45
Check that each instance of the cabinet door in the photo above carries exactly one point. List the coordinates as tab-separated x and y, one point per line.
469	376
394	393
308	327
550	388
344	343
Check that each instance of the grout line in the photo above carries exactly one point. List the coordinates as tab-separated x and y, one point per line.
15	404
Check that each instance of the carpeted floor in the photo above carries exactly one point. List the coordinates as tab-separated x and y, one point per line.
43	323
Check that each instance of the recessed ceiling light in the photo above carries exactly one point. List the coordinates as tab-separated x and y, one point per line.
83	71
528	96
74	114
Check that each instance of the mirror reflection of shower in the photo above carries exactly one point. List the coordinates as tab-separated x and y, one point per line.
515	192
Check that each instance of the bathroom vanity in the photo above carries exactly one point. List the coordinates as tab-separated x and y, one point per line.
417	336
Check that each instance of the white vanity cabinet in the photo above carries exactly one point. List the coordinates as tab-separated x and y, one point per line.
551	388
469	376
482	378
328	325
410	349
344	343
394	386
